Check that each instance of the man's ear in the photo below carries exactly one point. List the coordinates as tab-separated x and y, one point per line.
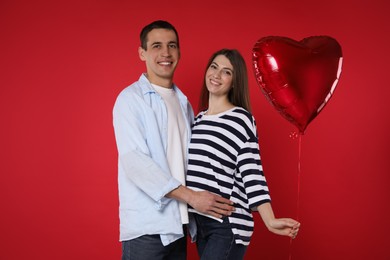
141	52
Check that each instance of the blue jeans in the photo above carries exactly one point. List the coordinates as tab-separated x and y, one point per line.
215	240
149	247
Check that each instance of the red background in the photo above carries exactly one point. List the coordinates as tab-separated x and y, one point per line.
64	62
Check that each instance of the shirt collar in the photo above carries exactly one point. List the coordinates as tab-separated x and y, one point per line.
147	86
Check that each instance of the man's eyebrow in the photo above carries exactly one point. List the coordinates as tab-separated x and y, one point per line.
159	43
155	43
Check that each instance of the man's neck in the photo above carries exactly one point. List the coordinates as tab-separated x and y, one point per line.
165	83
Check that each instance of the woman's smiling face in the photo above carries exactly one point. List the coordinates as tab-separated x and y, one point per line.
219	76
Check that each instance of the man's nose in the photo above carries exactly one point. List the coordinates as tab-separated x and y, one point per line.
165	51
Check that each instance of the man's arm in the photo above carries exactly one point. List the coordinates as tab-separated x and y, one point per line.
203	201
133	151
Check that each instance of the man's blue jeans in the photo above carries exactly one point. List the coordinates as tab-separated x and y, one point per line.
149	247
215	240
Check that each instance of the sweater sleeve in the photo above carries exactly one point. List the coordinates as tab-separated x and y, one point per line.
251	169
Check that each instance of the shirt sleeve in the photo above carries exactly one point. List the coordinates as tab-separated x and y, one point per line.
134	155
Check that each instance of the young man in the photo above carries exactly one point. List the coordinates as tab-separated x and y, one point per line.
152	123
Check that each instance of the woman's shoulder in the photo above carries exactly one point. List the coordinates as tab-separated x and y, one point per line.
244	114
200	114
246	120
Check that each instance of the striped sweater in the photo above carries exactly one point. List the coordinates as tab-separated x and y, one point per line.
224	159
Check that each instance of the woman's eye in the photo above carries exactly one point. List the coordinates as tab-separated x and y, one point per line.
227	72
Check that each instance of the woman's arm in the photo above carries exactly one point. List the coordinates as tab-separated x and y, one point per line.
280	226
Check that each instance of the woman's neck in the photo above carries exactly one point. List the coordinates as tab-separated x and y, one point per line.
218	105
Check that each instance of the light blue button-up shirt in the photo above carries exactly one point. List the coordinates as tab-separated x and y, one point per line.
141	124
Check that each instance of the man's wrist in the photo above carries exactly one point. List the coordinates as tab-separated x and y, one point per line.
182	193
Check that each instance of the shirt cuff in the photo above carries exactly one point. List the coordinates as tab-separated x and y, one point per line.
170	186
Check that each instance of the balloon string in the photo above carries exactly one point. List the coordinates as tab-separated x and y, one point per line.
299	173
298	186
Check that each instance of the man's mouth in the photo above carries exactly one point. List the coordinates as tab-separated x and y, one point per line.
165	63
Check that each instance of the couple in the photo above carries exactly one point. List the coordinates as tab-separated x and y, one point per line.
179	173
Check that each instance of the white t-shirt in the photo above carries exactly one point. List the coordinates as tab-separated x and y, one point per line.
177	138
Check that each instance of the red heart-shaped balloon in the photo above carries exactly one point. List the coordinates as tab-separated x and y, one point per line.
298	78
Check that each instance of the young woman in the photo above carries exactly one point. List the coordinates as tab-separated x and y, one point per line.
224	159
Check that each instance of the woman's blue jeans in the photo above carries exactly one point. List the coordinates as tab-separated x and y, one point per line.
215	240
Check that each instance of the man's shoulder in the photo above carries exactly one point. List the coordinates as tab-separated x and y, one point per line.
129	96
132	89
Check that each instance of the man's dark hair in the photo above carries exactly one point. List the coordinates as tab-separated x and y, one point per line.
159	24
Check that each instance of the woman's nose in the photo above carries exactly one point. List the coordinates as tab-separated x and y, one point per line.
217	74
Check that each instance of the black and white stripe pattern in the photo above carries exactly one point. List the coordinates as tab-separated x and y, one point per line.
224	159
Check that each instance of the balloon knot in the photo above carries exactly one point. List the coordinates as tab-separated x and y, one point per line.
294	135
